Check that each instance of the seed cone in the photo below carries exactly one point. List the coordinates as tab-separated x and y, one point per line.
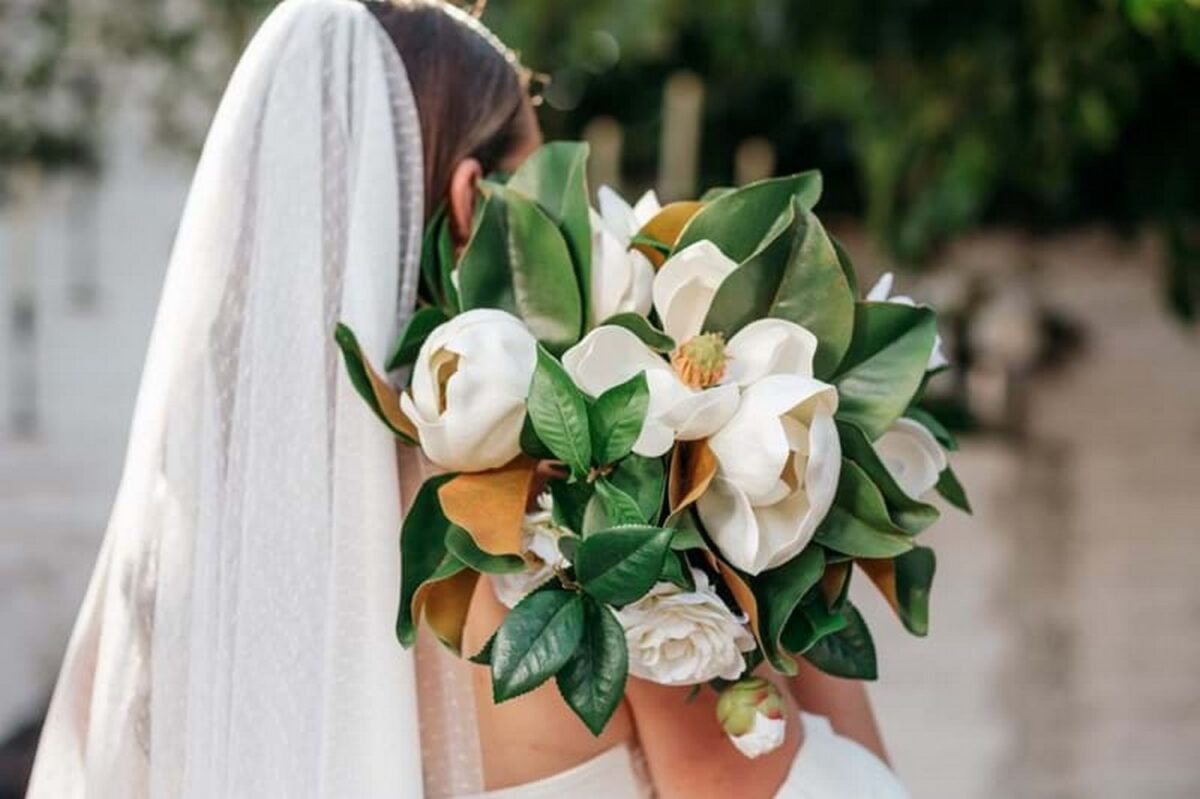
700	361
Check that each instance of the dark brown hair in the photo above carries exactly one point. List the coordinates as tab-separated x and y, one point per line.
470	96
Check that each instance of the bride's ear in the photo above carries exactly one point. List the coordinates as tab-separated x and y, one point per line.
461	197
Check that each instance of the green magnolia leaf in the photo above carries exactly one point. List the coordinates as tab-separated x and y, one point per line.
884	365
618	508
422	323
716	193
848	653
555	176
952	490
914	578
739	221
531	445
645	480
536	639
438	261
676	570
619	566
422	551
637	324
380	397
460	544
810	624
847	265
616	419
779	592
570	502
593	681
858	524
558	413
484	656
515	261
796	276
935	427
910	514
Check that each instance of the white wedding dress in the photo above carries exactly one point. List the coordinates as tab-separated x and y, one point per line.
236	637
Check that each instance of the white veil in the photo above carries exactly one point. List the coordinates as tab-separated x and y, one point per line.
236	637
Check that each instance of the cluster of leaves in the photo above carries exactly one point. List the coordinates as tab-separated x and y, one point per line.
631	519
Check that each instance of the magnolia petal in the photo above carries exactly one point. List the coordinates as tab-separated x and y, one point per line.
472	440
612	276
616	215
729	519
607	357
702	413
770	346
912	456
685	285
646	208
882	288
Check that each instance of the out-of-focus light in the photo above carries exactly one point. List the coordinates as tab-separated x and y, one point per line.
603	52
565	89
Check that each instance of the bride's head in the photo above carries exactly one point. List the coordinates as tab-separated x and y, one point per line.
472	98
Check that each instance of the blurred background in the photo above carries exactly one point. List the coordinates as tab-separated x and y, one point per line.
1032	167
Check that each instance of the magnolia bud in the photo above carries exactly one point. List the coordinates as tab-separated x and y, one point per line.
751	711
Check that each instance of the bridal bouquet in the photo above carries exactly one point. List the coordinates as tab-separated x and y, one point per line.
714	426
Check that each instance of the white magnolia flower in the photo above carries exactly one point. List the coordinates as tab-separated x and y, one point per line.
678	637
778	461
539	547
621	277
468	391
882	292
695	394
912	456
623	221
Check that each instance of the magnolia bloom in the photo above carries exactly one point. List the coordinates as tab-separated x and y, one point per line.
678	637
752	714
912	456
778	461
621	277
469	385
697	392
880	293
622	220
539	547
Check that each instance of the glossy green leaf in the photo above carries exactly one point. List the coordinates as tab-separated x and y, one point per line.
914	579
779	592
515	261
422	323
858	523
380	397
645	480
847	266
952	490
716	193
537	639
593	681
619	566
812	622
555	176
558	413
460	544
637	324
422	551
676	570
796	276
739	221
885	364
570	503
531	445
616	419
910	514
618	507
933	425
848	653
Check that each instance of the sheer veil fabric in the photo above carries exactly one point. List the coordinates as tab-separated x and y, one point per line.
236	638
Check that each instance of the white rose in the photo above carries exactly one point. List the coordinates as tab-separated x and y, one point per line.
912	456
687	403
880	293
778	461
678	637
539	547
765	736
469	387
621	277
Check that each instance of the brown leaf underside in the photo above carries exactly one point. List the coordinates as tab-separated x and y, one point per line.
666	226
491	505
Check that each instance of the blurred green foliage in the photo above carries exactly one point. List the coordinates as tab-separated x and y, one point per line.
928	117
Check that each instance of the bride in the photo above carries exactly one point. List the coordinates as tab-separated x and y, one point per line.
236	638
